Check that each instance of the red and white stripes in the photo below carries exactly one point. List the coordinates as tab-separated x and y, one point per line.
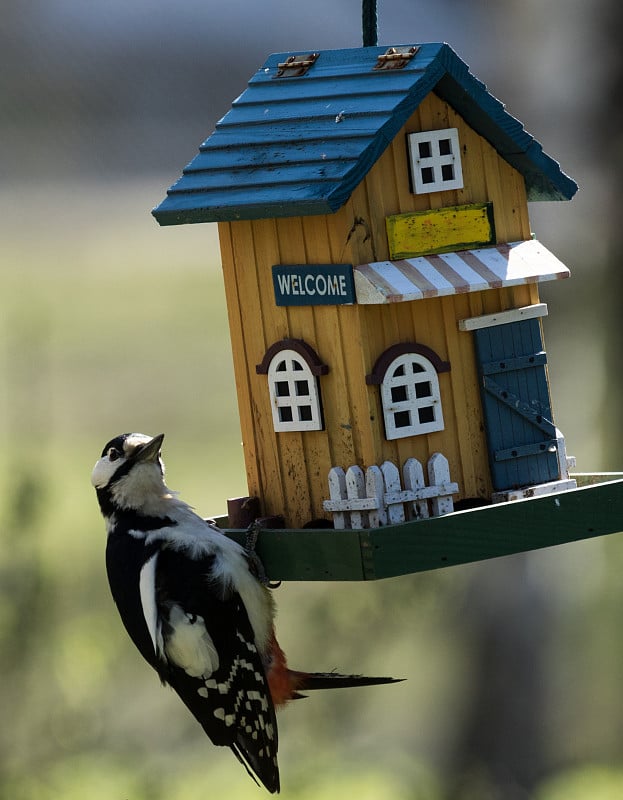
455	273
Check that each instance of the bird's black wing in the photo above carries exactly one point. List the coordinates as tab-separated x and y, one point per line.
130	566
229	696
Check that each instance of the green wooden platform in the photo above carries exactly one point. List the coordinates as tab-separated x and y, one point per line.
458	538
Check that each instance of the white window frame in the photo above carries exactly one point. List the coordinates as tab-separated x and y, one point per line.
429	169
406	384
288	371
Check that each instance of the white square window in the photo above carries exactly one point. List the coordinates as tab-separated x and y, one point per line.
435	161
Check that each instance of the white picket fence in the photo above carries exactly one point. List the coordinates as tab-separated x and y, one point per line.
376	497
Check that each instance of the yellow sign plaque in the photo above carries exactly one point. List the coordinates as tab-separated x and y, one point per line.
440	230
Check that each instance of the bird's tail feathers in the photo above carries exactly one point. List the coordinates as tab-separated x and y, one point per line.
310	681
288	684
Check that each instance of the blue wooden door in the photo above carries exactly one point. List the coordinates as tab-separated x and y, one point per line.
517	409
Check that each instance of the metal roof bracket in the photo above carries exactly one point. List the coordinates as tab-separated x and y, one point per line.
295	66
395	57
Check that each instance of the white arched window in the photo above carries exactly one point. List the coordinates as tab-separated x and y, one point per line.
409	384
292	368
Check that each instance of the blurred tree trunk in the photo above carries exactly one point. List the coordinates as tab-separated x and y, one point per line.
610	125
499	753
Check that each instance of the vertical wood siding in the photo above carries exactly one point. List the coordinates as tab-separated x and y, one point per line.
288	471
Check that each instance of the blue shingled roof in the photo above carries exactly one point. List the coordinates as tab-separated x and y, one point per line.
294	146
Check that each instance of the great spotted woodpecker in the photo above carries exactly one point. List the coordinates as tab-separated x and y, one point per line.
192	602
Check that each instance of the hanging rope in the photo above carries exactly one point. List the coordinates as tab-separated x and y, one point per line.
369	23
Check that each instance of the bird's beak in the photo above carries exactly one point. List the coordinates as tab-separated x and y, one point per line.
150	450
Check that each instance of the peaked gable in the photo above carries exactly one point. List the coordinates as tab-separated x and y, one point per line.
295	146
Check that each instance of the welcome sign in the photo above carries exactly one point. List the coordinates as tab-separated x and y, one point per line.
313	284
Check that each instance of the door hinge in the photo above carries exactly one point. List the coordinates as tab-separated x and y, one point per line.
295	66
395	57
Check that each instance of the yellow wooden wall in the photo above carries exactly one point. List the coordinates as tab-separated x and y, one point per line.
288	471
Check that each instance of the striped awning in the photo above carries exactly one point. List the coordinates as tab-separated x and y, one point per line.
455	273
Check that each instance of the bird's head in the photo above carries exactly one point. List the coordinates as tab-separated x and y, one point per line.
130	474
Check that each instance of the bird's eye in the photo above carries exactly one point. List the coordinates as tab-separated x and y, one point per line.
113	454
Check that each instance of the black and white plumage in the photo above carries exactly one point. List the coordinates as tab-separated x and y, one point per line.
193	605
182	589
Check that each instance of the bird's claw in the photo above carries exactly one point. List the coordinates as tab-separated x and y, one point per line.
255	563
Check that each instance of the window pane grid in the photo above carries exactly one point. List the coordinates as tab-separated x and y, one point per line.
293	393
435	161
411	398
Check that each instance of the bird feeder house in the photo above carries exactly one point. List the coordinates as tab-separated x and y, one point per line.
382	285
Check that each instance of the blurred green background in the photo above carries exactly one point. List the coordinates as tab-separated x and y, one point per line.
110	324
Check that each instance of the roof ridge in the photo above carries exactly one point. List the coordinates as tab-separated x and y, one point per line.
295	130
